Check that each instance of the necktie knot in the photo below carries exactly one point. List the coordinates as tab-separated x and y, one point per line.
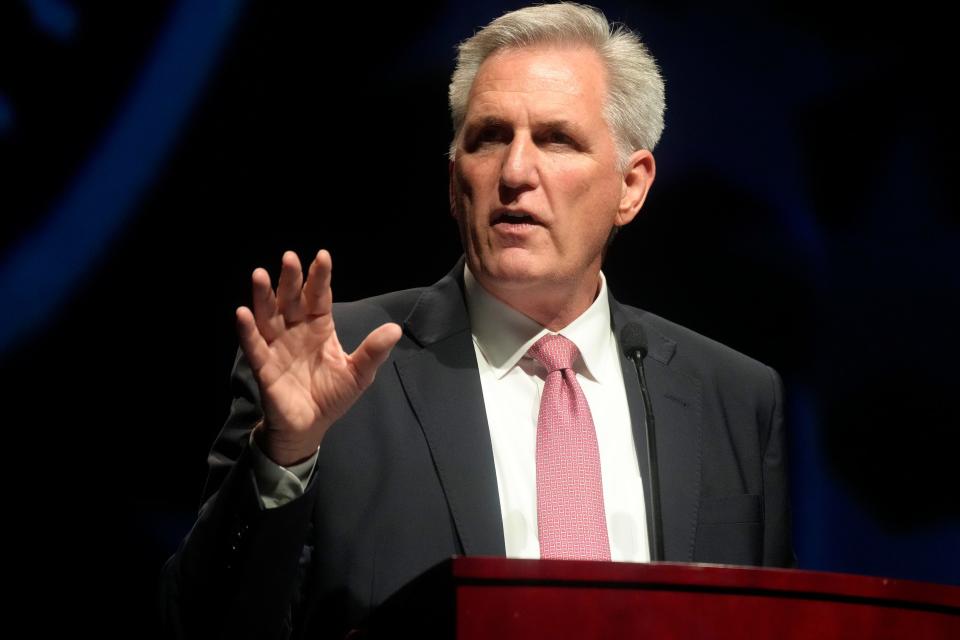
555	352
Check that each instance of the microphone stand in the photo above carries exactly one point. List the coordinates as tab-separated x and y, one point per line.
637	354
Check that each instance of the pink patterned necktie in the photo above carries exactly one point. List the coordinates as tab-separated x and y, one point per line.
570	513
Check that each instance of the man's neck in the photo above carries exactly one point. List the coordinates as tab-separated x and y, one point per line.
552	309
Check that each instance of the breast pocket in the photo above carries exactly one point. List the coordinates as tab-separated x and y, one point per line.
730	530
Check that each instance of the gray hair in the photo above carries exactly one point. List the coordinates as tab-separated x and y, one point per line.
635	102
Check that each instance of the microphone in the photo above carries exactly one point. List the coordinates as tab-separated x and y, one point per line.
633	339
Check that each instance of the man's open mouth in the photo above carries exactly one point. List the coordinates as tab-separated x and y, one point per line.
514	217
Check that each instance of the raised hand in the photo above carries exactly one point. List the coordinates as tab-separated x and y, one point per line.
306	379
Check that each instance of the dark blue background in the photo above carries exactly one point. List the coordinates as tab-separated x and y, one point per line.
154	153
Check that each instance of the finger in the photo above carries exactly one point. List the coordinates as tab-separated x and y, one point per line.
269	321
373	352
252	343
288	289
317	297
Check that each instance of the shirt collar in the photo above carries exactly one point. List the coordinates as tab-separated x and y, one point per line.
504	335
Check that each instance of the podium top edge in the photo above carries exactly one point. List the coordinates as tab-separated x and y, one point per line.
820	585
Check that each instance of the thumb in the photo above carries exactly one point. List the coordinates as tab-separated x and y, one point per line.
373	352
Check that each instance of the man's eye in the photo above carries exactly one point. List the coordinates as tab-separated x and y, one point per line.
490	135
558	137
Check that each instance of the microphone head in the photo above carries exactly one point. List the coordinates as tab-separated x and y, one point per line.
633	339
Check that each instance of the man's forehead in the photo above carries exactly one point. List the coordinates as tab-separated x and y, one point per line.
556	82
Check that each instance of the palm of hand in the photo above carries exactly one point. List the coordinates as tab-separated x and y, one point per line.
306	380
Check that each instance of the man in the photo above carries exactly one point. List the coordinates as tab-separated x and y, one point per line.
369	441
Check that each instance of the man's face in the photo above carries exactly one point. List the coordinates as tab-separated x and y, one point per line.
535	183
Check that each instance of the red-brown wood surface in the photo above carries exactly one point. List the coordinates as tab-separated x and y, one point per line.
624	574
499	598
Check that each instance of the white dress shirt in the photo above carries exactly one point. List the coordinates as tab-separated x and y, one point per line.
512	383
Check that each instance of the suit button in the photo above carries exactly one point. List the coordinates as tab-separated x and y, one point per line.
235	539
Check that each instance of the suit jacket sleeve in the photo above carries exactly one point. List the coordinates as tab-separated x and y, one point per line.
221	583
778	544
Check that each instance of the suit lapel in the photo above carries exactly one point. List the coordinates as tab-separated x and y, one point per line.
443	386
676	400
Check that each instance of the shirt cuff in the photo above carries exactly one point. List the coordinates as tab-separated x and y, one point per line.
279	485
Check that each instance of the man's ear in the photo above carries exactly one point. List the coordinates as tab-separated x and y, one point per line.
637	180
451	168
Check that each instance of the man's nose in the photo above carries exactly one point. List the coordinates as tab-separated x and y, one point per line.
520	165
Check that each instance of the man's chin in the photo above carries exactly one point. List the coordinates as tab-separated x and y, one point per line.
516	275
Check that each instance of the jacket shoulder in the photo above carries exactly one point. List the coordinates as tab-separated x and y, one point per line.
356	319
697	355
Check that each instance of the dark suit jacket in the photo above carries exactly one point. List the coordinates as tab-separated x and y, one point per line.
406	478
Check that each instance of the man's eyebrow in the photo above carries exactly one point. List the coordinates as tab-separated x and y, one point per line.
494	121
560	124
486	121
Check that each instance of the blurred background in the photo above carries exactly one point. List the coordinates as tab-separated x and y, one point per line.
154	153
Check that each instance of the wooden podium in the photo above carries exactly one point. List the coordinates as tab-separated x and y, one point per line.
501	599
